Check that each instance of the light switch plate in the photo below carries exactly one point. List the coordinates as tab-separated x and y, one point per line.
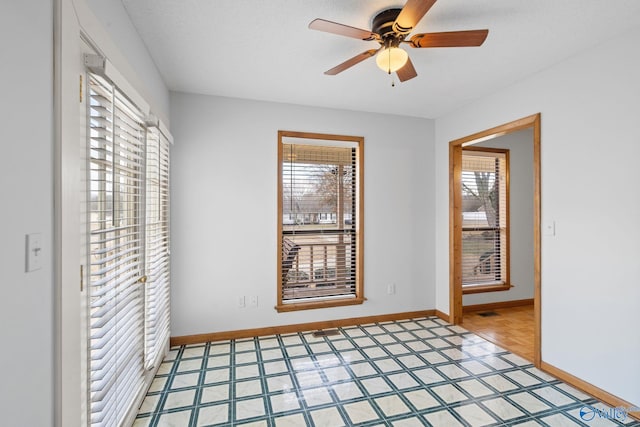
33	252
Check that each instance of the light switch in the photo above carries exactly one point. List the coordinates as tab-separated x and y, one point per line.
33	252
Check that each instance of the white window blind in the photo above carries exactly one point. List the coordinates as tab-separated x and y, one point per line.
116	221
484	218
157	246
319	193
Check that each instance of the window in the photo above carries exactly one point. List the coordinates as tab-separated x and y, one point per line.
157	247
128	289
320	220
116	297
485	219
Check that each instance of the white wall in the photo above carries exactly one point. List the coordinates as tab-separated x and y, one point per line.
224	211
590	146
26	194
110	27
520	146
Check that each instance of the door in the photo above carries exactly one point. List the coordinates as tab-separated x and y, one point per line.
456	218
116	253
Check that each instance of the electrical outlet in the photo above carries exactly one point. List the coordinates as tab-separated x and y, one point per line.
253	301
549	228
391	289
241	303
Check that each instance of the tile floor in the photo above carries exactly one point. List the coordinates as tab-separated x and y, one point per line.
406	373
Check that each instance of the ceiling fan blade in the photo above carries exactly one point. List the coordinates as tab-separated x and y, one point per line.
450	39
351	62
341	29
407	72
411	14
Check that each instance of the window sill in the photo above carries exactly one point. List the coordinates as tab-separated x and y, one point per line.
486	288
318	304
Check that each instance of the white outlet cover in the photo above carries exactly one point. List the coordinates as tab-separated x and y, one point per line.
549	228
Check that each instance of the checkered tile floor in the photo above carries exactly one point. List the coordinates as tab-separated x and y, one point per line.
417	372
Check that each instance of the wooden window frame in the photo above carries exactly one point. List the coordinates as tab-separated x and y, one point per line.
506	262
284	306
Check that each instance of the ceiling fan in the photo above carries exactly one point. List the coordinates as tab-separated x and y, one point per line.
390	28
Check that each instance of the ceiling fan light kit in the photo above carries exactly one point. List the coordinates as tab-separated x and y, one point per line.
391	59
389	28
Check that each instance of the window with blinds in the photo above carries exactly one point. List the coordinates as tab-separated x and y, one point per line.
319	221
485	218
128	216
116	297
157	246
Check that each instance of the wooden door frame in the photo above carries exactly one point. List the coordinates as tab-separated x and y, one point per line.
455	219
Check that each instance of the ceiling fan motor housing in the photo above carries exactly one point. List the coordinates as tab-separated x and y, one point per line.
383	25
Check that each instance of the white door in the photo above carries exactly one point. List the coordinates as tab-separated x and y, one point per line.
116	237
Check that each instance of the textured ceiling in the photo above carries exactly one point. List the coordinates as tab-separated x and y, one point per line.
263	50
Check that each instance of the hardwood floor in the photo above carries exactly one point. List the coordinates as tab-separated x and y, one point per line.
511	328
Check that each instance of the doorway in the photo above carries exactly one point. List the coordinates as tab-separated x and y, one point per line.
456	217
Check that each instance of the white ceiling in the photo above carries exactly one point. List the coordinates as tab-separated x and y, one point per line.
262	49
